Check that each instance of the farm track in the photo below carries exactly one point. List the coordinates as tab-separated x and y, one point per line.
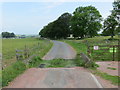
55	78
60	50
74	77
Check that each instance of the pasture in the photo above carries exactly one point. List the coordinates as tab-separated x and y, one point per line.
9	47
81	46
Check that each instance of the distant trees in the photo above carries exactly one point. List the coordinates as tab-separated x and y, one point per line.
86	22
111	25
7	35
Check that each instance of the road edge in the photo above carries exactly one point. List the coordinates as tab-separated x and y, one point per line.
96	81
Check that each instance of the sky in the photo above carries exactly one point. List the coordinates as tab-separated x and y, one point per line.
30	17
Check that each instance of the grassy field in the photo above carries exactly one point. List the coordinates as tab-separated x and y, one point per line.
81	46
10	45
15	68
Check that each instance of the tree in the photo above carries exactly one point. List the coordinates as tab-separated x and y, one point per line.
62	25
7	35
116	6
110	26
58	28
86	21
116	10
12	34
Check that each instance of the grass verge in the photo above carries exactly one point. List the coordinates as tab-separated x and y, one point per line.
18	67
113	79
9	73
78	45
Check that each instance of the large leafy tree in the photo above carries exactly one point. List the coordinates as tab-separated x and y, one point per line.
86	22
112	22
62	25
110	26
116	10
116	6
58	28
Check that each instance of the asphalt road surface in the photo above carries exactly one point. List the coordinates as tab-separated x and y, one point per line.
60	50
55	78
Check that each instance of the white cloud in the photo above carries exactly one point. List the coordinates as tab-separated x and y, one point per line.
54	4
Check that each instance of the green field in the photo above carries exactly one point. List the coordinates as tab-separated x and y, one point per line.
9	47
81	46
13	67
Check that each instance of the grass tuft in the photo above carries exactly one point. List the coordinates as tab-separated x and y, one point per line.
111	68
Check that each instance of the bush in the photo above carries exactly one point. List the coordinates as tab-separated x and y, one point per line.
11	72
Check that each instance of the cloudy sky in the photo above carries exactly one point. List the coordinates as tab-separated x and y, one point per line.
30	17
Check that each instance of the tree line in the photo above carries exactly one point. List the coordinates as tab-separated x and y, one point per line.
8	35
83	22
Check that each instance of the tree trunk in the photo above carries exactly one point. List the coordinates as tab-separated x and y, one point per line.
112	36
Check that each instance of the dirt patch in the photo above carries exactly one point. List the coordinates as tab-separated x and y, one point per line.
109	67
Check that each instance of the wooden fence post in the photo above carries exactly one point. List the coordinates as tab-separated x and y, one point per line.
19	54
118	50
26	52
38	44
113	53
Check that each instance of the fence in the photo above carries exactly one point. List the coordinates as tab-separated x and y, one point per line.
104	52
27	52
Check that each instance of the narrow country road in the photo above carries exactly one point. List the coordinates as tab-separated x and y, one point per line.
75	77
55	78
60	50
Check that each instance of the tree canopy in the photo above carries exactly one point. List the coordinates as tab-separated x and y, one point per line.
86	22
58	28
112	23
110	26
